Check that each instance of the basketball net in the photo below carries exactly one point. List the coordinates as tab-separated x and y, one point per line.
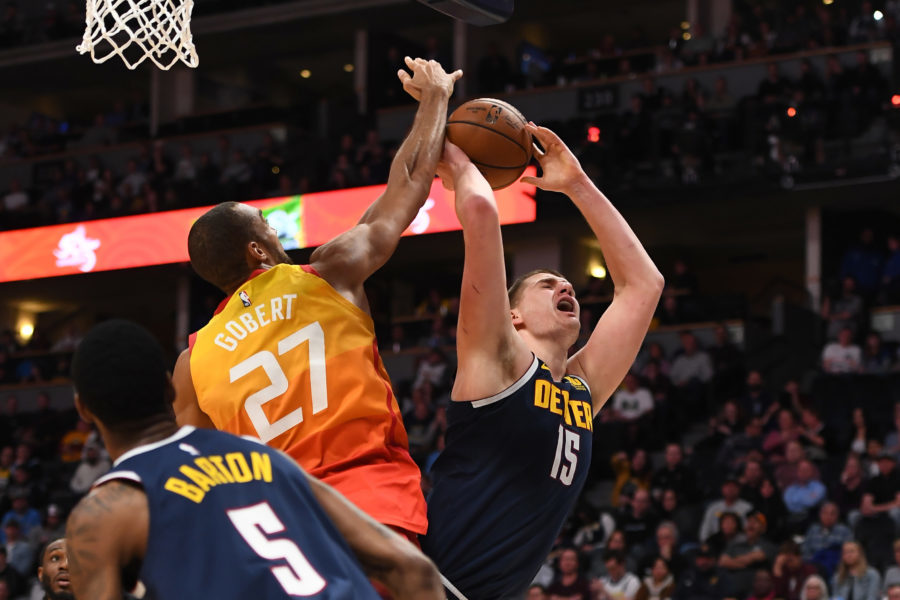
136	30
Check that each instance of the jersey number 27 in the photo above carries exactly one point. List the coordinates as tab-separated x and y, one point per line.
278	385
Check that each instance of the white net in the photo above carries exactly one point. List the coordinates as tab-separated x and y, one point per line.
136	30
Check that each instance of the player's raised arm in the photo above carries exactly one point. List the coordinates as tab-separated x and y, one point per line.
106	533
490	354
384	555
346	261
616	339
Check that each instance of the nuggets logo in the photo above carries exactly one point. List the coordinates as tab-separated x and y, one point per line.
245	297
493	114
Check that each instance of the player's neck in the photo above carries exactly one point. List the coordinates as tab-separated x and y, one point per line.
119	442
551	351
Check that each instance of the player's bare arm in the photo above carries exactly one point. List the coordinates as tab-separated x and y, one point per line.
186	406
638	283
384	555
491	356
106	533
349	259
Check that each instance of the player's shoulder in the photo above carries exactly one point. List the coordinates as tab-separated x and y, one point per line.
108	502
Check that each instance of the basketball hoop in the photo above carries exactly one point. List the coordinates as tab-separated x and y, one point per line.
140	29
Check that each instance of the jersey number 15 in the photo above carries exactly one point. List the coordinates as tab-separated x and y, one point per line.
566	458
278	385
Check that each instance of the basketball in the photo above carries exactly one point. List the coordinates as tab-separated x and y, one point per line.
492	134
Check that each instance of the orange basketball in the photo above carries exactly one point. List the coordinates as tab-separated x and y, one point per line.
492	134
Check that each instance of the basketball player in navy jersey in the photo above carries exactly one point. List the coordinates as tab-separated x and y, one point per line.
196	513
518	446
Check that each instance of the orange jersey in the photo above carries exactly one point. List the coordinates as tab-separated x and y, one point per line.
289	360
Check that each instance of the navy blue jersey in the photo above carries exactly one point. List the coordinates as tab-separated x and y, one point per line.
511	471
232	518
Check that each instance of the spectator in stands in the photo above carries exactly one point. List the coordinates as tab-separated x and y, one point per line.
569	582
25	517
730	529
880	511
854	577
893	593
664	545
891	440
18	551
824	539
656	354
72	443
728	364
537	592
890	275
685	518
92	466
691	371
632	406
659	584
434	369
876	360
638	522
772	506
763	587
776	442
790	571
740	447
803	496
674	475
618	583
814	588
817	440
746	553
849	492
53	527
786	472
14	581
631	474
6	464
845	311
863	262
730	502
842	356
704	581
892	574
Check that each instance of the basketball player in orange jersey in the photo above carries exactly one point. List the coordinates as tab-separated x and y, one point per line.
290	356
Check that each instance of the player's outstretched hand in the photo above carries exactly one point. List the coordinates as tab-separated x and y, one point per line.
427	75
453	163
560	167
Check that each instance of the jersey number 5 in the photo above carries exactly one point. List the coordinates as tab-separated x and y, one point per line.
298	578
566	448
278	385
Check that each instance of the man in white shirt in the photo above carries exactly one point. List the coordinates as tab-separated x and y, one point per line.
842	356
618	584
730	502
632	402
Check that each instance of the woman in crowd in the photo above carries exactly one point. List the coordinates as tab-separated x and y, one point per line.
659	584
854	577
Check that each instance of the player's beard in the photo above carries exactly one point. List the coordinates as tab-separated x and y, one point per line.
49	594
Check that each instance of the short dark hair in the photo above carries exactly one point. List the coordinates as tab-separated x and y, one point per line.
43	553
616	555
120	374
515	290
216	244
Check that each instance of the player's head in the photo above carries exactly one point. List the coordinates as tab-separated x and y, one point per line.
121	378
543	303
229	241
53	571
